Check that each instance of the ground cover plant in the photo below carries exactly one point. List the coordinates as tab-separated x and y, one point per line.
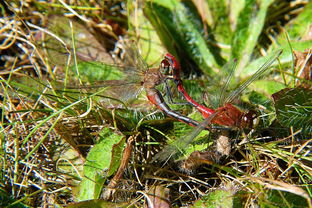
78	130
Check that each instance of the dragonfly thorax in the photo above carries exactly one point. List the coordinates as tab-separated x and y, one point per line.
152	78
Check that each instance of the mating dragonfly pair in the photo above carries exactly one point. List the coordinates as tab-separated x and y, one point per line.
139	76
227	115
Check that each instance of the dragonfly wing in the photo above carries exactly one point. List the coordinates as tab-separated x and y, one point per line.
256	75
133	57
181	143
114	89
133	62
126	93
228	70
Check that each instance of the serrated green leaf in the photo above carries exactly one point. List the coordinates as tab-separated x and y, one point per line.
249	27
220	20
97	166
294	108
181	31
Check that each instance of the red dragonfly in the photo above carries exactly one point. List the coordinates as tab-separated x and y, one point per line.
138	75
227	115
148	78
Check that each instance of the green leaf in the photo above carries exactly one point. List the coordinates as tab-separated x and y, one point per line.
215	199
253	66
249	27
117	152
99	164
220	23
275	198
97	203
294	108
257	98
267	87
287	56
180	28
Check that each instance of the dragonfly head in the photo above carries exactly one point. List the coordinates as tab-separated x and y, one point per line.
166	68
170	67
250	119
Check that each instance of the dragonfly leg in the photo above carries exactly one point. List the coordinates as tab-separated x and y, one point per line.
170	61
156	98
170	96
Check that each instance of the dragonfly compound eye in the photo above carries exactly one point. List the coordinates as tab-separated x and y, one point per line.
250	119
165	67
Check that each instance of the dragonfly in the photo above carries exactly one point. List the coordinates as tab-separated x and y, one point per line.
138	75
227	115
147	79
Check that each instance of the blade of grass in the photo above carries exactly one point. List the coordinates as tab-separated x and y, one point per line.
43	138
55	114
